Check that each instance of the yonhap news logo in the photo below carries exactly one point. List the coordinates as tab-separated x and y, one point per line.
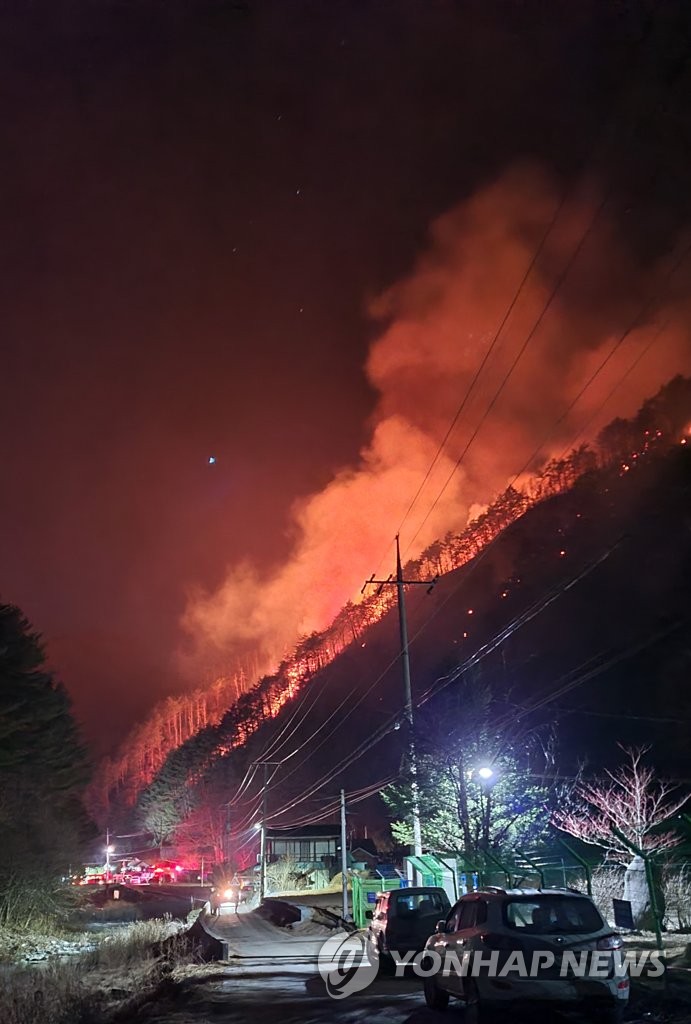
348	964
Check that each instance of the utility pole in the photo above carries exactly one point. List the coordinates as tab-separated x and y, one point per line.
109	850
226	844
262	834
400	583
262	839
344	856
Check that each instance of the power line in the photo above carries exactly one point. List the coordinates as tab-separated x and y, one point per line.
497	394
478	559
394	721
600	140
617	345
483	362
526	616
274	746
355	797
585	671
622	715
245	784
585	674
529	337
609	663
641	355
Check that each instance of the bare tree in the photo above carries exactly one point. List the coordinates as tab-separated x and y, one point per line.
632	799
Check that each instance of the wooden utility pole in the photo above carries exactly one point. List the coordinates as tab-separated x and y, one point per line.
400	584
227	835
344	856
262	834
262	839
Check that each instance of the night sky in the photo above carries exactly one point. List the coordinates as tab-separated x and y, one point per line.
200	202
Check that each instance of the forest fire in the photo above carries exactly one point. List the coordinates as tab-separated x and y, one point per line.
147	749
441	325
438	323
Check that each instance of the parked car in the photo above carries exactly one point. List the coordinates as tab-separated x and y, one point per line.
403	919
525	922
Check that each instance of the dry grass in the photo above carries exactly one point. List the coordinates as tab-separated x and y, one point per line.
134	944
56	993
608	884
676	884
85	989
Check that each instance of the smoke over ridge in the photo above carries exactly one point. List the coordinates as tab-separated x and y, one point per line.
437	325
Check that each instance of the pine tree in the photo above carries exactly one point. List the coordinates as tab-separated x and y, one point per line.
43	771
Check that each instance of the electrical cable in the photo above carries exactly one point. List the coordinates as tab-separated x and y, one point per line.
497	394
483	362
272	748
572	683
518	356
499	638
529	337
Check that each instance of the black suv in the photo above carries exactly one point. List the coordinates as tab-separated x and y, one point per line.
403	920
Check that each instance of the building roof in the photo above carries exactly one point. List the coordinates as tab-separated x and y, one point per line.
366	845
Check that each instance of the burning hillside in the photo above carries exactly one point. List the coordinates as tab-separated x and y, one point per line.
661	423
525	323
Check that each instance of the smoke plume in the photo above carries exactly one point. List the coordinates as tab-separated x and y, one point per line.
437	325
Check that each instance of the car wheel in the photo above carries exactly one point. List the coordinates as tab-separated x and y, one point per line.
435	997
386	964
476	1011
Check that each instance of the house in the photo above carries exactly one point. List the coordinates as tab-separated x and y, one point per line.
363	855
315	849
309	843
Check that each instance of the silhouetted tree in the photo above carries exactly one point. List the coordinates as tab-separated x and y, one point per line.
43	771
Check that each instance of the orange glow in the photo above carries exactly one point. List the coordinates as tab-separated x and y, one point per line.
179	718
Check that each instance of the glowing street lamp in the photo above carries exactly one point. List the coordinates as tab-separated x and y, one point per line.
485	773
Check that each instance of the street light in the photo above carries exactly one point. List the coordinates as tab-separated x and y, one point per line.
485	780
109	849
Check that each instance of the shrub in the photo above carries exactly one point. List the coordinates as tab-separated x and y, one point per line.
81	989
676	884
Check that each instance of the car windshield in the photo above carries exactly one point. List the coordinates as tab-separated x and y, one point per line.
541	915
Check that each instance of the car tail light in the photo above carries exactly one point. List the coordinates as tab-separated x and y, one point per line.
609	942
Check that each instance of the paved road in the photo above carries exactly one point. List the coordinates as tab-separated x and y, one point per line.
272	978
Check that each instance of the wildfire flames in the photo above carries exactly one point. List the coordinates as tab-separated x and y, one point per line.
438	326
